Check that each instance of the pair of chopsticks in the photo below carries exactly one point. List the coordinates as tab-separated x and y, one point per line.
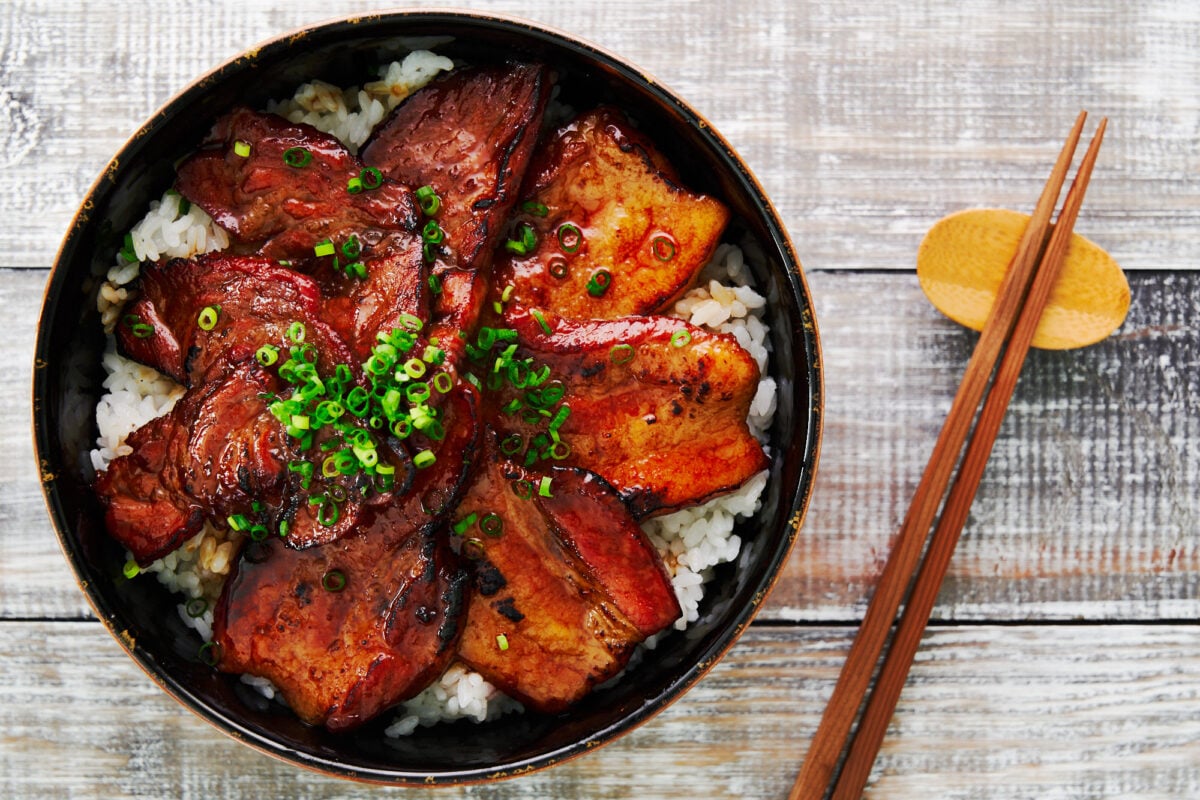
1012	321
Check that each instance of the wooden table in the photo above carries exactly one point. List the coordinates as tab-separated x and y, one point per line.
1064	656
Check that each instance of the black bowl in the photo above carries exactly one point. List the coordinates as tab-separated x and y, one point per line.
68	373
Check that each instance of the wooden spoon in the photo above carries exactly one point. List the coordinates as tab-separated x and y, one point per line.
964	256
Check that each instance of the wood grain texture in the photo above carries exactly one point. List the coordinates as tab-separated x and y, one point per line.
1089	509
989	713
865	123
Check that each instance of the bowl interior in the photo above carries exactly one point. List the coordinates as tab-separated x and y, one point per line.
68	375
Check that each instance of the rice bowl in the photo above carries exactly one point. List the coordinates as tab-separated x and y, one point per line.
695	542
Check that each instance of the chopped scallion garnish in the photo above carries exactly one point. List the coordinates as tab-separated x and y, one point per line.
323	249
428	200
681	338
298	157
207	320
210	653
424	459
333	581
598	284
663	247
569	237
621	353
492	524
541	321
242	149
502	642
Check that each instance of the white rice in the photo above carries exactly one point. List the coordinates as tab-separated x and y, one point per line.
693	542
351	114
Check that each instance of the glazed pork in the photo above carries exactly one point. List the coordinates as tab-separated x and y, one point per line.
612	231
565	582
468	135
657	406
214	454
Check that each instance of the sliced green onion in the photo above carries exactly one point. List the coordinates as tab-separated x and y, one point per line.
258	532
492	524
663	247
473	549
328	513
196	607
598	284
298	157
428	200
352	247
267	355
433	233
411	323
511	444
210	653
435	284
560	417
141	330
354	185
324	248
541	321
443	382
128	252
370	178
238	522
461	526
559	268
242	149
424	459
502	642
569	237
535	208
544	487
283	527
681	338
208	317
414	368
621	353
296	332
560	450
333	581
526	241
131	570
522	489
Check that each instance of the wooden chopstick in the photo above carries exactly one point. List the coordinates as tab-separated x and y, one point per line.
882	702
833	731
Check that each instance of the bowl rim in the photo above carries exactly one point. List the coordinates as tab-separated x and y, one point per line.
807	340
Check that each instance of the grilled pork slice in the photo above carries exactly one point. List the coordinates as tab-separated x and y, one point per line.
657	406
253	301
215	453
299	195
615	233
282	187
342	654
469	135
565	585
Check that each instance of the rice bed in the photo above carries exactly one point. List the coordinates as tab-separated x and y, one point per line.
692	541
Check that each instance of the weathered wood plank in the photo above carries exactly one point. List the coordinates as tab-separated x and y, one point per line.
865	124
1094	479
1089	509
1012	712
